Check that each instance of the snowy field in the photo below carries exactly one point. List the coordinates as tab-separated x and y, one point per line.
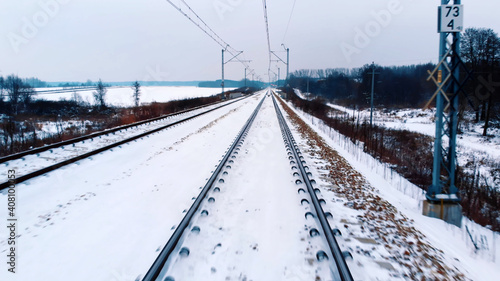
475	153
422	121
122	97
32	163
473	149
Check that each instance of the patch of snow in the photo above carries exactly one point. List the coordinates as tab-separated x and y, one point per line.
482	264
122	97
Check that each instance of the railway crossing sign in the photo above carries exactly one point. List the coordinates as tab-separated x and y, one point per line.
451	18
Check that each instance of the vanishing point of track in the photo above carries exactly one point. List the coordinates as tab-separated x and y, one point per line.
158	270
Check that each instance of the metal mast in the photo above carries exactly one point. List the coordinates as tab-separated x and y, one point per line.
371	96
449	84
287	59
287	63
449	87
222	83
224	62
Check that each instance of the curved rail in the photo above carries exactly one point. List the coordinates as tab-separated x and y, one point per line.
45	170
344	272
159	264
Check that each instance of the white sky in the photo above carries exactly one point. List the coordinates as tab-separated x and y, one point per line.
123	40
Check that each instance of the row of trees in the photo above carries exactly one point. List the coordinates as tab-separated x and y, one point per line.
16	94
101	90
19	94
411	155
481	51
37	83
89	83
407	86
394	86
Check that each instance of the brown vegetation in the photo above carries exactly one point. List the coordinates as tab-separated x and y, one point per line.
20	133
405	245
411	155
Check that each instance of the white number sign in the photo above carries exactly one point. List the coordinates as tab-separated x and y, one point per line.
451	18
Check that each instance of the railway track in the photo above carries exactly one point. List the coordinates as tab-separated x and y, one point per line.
176	247
55	156
294	151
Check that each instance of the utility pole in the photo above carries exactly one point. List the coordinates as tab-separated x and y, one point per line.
371	96
222	83
245	77
269	77
278	83
224	62
373	87
287	63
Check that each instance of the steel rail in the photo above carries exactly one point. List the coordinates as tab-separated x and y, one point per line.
344	272
159	264
105	132
45	170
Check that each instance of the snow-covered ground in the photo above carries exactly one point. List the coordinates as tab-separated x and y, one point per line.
452	242
473	150
119	97
123	96
422	121
107	218
34	162
255	228
52	88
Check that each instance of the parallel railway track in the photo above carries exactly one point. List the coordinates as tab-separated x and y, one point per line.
66	161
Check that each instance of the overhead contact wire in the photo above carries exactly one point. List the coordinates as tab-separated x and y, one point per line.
208	31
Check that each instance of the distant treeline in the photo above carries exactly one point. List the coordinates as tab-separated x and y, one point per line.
407	86
231	84
394	85
37	83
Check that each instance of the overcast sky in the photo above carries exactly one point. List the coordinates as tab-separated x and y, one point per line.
124	40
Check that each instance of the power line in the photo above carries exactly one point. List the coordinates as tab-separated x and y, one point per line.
209	31
203	21
219	41
289	20
264	3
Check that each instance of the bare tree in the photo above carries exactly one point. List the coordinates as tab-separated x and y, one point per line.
137	92
99	94
19	93
303	73
321	73
2	83
481	50
60	127
9	128
480	47
77	98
